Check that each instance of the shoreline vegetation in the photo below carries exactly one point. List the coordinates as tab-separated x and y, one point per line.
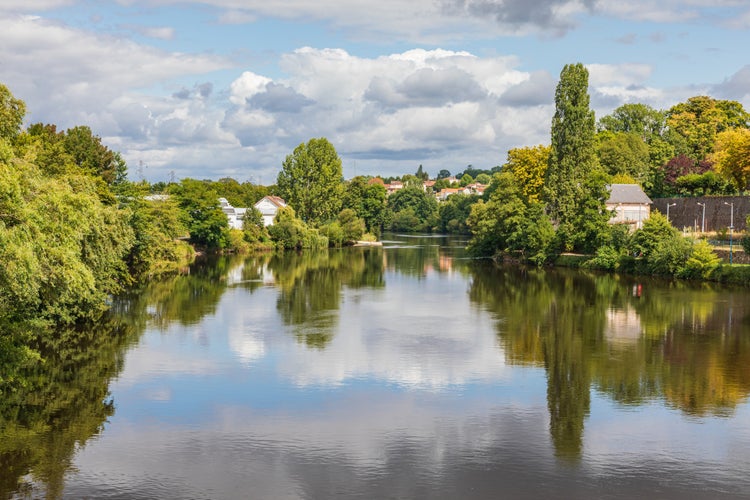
74	231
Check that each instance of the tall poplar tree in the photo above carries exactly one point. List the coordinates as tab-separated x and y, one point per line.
574	184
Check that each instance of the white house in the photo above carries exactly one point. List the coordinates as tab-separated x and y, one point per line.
235	215
268	206
629	204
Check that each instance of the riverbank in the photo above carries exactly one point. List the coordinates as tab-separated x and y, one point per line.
735	273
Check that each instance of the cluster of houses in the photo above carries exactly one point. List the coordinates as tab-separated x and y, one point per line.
443	194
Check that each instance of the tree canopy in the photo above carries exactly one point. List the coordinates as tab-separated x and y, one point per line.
528	166
573	174
12	111
311	181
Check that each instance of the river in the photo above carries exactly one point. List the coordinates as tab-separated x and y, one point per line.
406	371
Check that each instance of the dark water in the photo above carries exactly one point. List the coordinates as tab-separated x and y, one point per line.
399	372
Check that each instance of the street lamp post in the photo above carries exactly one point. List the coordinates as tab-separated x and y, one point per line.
703	218
731	227
670	205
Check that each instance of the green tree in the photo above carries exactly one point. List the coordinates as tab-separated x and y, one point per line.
311	181
45	147
62	251
352	226
291	233
12	111
206	223
443	174
510	224
454	213
483	178
440	184
572	178
662	247
421	174
157	224
639	119
422	209
701	262
528	166
466	179
708	183
698	120
624	153
368	200
92	156
412	181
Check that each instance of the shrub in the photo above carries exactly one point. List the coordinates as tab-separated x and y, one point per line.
736	274
701	263
334	233
745	242
352	226
669	256
607	258
288	232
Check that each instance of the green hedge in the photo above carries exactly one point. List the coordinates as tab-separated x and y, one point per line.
737	274
572	260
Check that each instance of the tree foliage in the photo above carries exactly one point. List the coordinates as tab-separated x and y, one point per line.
413	210
454	213
368	200
528	166
573	183
639	119
624	153
12	111
291	233
202	214
732	156
698	120
311	181
63	251
510	223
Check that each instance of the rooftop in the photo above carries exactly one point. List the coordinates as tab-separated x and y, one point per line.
627	193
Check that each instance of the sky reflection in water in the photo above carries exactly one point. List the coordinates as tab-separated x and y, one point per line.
408	373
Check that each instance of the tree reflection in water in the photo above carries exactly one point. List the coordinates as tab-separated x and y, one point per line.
634	340
311	284
54	407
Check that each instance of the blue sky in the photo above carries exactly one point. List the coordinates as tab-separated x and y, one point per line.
216	88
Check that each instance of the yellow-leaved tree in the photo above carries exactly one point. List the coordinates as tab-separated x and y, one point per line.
732	156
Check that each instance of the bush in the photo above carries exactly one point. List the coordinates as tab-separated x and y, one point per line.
289	233
701	263
736	274
670	256
572	260
607	258
406	220
352	226
237	242
334	233
745	242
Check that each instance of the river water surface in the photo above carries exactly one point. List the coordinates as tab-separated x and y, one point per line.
407	371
